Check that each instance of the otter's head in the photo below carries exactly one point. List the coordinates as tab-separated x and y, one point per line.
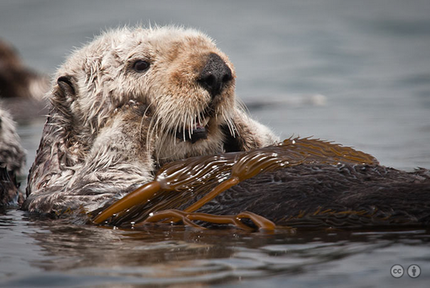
186	82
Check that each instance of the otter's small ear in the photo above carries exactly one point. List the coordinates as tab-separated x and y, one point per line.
67	86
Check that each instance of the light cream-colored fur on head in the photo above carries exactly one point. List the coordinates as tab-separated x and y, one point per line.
111	126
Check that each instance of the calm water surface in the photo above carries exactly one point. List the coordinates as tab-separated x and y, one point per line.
52	254
356	72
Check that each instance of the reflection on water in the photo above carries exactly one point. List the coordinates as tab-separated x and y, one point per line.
369	59
85	255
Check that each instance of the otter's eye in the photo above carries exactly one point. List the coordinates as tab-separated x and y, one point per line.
140	65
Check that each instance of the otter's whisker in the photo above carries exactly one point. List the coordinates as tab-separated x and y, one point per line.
191	125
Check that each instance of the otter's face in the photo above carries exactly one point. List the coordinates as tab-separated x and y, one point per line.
180	75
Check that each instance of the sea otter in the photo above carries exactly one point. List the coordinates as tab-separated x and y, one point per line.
12	160
136	100
21	88
128	102
16	80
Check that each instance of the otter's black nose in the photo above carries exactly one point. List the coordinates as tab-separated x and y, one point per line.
215	75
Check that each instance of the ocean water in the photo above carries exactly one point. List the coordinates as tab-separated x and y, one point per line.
354	72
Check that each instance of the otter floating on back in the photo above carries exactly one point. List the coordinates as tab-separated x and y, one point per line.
135	99
129	102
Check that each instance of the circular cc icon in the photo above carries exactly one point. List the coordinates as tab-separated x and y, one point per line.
397	271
